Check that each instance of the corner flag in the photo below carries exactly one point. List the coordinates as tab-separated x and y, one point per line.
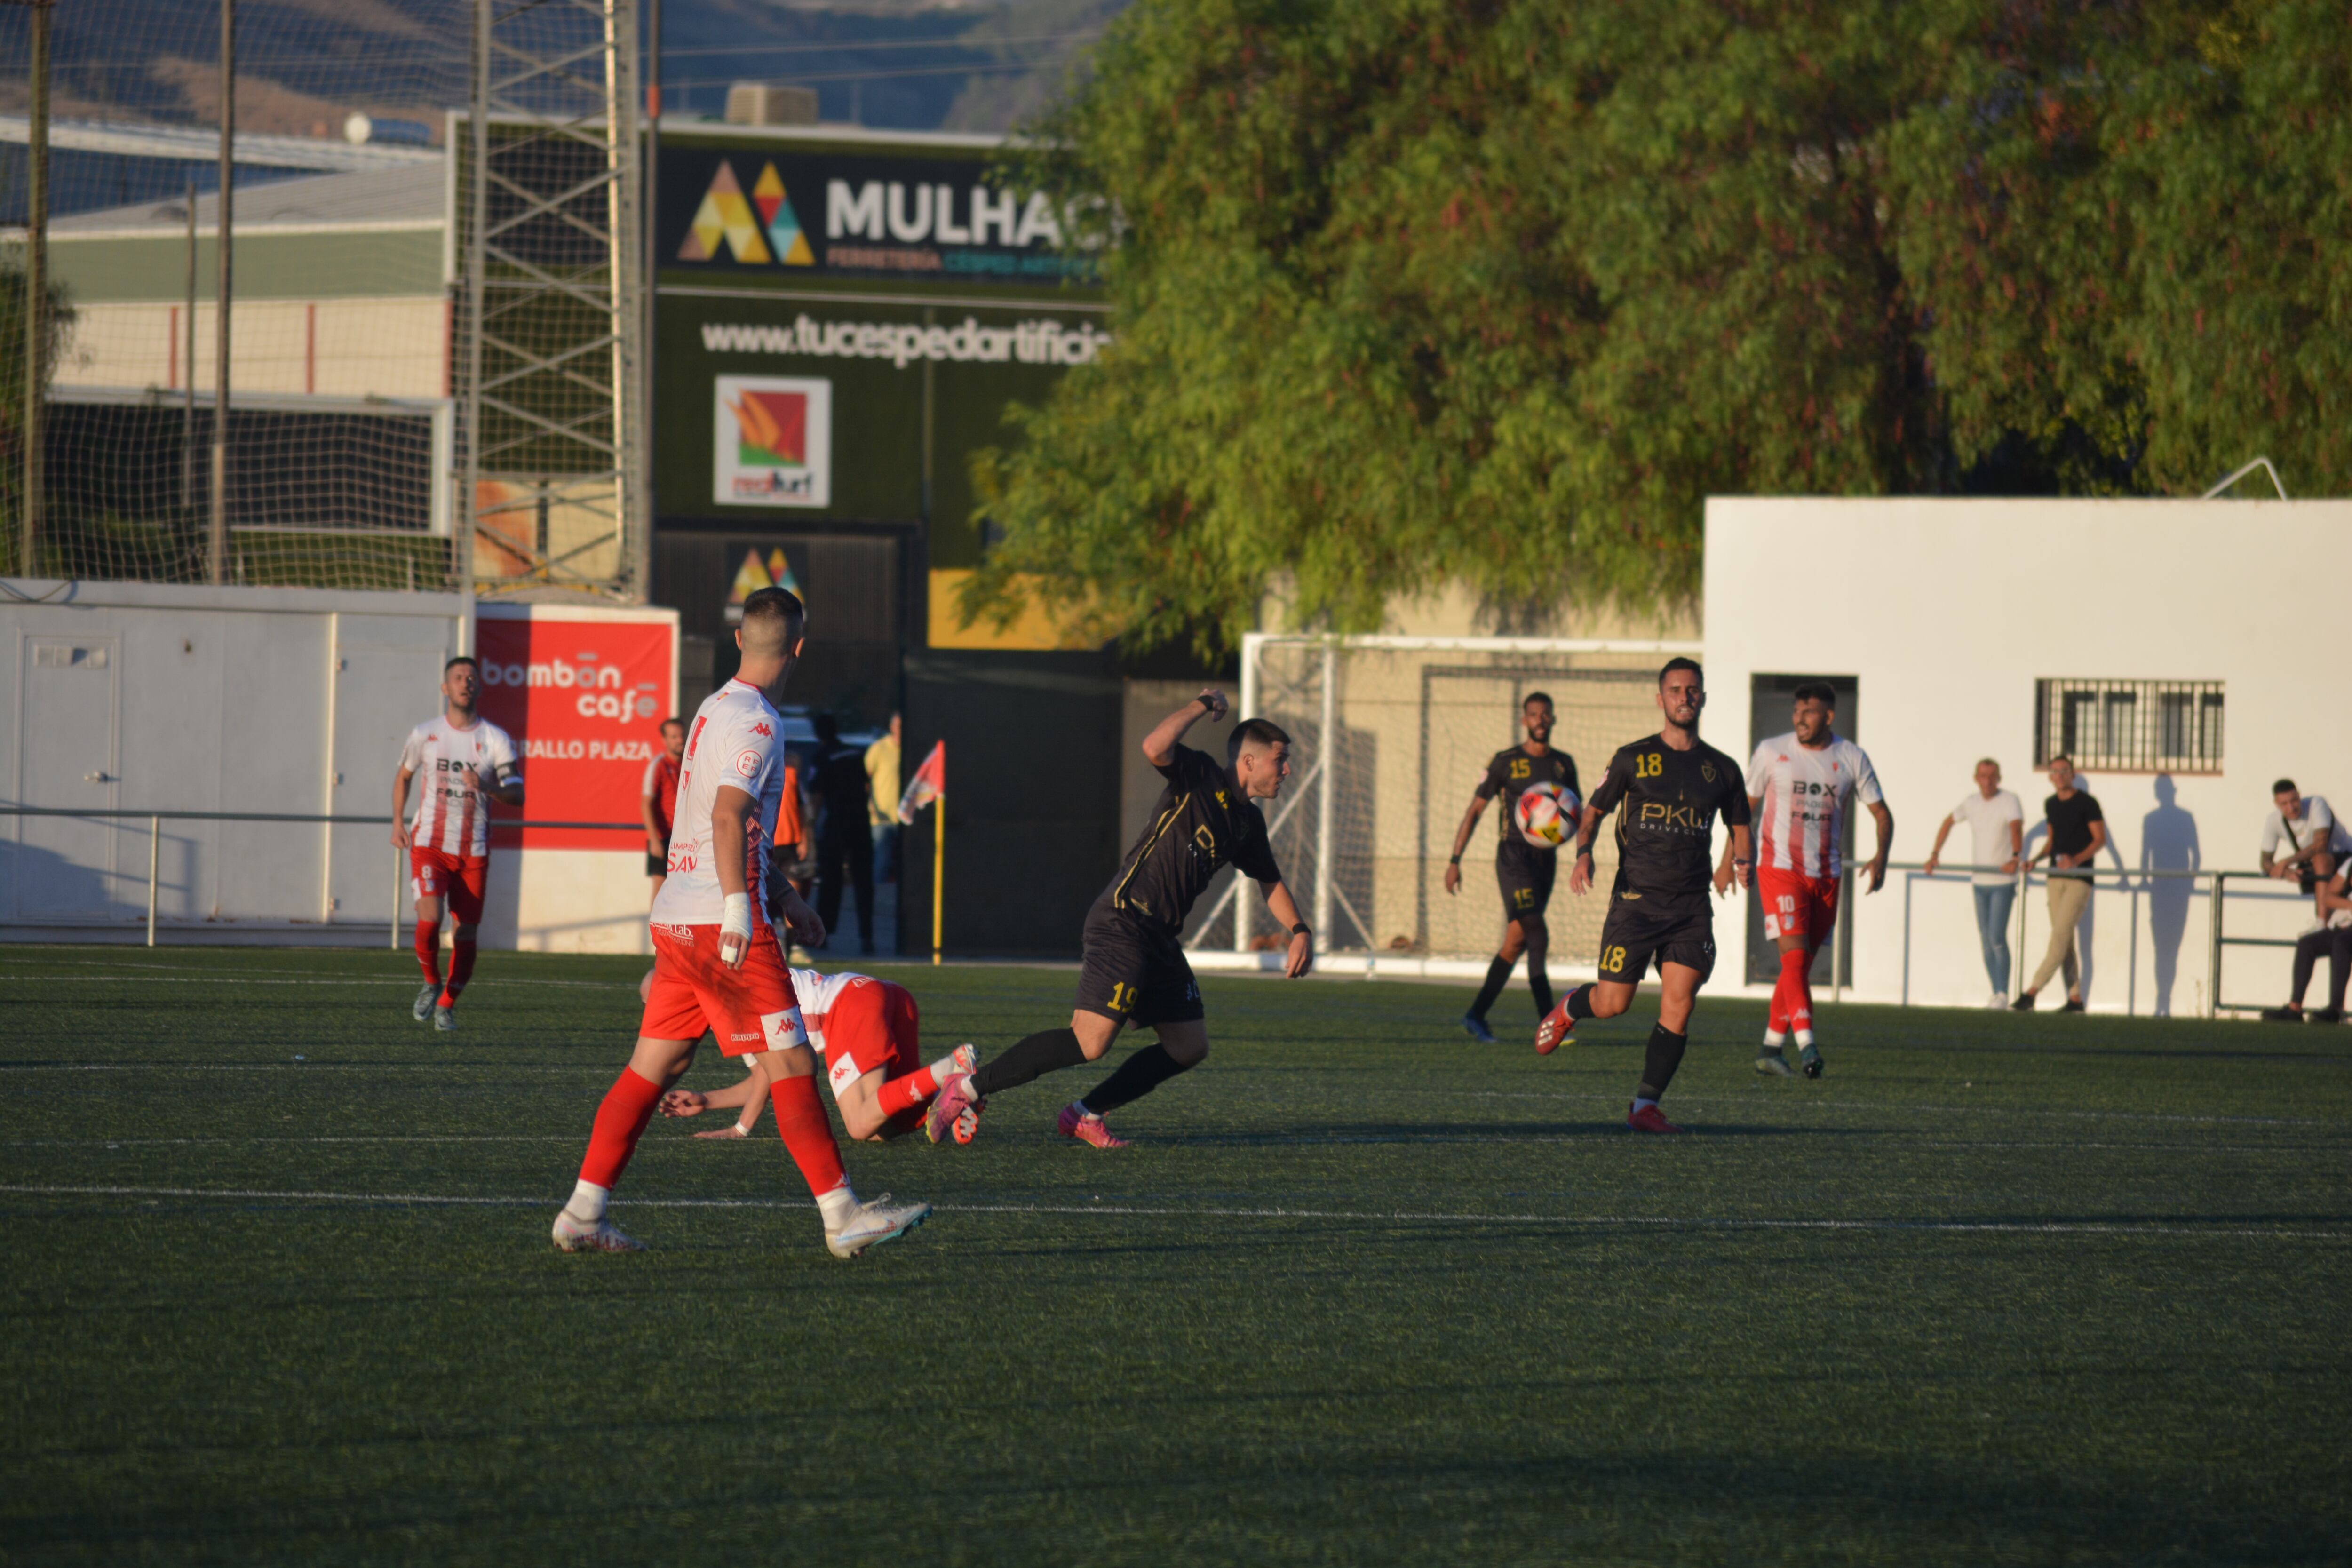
930	783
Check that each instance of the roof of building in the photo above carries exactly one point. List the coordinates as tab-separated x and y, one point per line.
412	195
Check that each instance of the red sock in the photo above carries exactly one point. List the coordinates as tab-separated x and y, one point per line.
906	1093
461	969
1777	1020
428	949
1796	980
800	1118
620	1122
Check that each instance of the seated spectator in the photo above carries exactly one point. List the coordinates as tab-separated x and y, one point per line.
2077	832
2307	827
1996	820
2333	938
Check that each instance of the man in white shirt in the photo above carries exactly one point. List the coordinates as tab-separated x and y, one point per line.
1996	821
1797	790
718	964
467	762
2304	826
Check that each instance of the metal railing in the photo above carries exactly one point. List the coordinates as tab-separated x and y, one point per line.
155	820
2115	879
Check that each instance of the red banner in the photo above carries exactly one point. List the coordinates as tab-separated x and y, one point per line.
584	701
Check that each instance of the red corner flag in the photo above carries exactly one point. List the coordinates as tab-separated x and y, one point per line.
930	783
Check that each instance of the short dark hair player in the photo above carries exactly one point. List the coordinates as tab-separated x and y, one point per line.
1523	870
1133	970
1671	786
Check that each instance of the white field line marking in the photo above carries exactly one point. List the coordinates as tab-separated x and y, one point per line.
1646	1222
237	1142
408	979
1880	1106
2296	1151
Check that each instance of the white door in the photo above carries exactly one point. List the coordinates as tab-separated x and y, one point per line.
381	692
64	865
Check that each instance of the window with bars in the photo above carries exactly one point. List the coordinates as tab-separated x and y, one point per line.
2129	726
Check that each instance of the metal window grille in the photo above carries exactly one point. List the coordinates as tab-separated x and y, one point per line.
2129	726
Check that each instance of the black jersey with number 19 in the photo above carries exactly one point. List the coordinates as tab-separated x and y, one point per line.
1202	823
1666	831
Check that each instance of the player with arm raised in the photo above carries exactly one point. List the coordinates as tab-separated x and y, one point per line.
1671	786
1524	871
718	964
1133	969
1796	789
465	763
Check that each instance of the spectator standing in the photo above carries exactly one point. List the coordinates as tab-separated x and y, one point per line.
2078	831
1996	821
882	801
658	800
794	854
844	843
2316	843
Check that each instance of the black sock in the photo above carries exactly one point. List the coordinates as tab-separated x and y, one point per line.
1137	1076
1538	981
1659	1061
1579	1002
1048	1050
1498	974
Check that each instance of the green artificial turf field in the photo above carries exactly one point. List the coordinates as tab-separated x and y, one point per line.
1999	1289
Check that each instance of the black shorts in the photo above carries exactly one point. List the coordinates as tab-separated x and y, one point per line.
657	865
1526	875
1667	930
1132	973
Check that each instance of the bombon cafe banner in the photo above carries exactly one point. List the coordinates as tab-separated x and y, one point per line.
583	695
780	211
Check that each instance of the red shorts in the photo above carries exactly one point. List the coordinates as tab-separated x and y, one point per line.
747	1010
435	874
873	1023
1797	905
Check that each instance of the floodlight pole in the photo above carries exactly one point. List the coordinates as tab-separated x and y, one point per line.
188	374
36	282
218	554
1323	739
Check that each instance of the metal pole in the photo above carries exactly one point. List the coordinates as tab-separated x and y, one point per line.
649	191
938	872
188	421
2024	902
1250	651
394	941
2213	952
37	283
476	172
154	860
1323	796
222	296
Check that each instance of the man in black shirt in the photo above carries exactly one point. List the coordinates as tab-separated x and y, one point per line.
1524	870
1671	785
844	847
1133	971
2078	831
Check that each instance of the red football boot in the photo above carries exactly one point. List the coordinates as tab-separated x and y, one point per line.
1556	1030
1649	1119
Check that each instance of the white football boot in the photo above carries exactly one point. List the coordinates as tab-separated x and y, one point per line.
575	1234
872	1223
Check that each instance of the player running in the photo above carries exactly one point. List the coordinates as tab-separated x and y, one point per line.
1797	787
1133	969
658	800
718	964
869	1033
1671	785
468	762
1524	871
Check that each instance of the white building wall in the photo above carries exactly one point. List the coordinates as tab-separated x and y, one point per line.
1947	611
331	347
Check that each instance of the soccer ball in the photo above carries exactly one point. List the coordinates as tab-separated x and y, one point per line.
1545	815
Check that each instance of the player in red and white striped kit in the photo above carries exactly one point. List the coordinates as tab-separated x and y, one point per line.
1797	790
718	964
466	762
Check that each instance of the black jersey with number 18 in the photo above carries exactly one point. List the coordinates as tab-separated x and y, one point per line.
1665	832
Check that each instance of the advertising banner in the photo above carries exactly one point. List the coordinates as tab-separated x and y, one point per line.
771	441
583	695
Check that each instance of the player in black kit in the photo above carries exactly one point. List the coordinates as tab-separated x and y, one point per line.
1524	871
1671	787
1133	971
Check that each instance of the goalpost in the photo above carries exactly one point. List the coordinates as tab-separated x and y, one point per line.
1391	736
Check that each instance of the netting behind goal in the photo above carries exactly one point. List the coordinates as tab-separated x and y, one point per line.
1411	732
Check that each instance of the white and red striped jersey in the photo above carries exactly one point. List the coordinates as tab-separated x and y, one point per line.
453	813
817	994
1803	792
736	740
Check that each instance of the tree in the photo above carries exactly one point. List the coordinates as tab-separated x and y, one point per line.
1408	290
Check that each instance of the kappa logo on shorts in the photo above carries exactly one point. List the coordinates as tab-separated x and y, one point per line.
783	1030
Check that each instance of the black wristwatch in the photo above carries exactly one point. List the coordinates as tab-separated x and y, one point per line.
1582	850
1454	860
1300	929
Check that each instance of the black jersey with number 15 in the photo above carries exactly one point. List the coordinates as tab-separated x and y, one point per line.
1202	823
1666	831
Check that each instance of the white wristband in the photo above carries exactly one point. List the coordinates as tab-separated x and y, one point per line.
737	918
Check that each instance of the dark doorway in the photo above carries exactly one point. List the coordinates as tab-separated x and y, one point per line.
1769	700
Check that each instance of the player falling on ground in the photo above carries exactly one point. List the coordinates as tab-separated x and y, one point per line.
717	962
467	762
1671	786
1524	871
869	1033
1133	969
1797	788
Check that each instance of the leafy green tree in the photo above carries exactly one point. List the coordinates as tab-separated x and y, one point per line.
1410	291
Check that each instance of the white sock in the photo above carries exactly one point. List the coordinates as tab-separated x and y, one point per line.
1804	1038
587	1202
836	1206
939	1069
1774	1039
1641	1104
